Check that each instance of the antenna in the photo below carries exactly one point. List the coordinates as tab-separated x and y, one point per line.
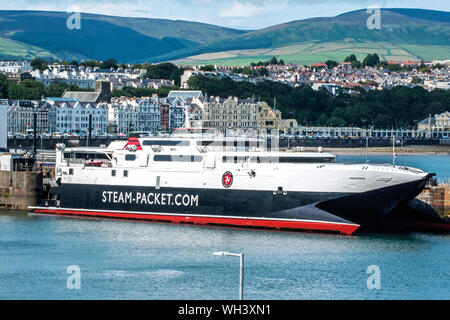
393	150
367	147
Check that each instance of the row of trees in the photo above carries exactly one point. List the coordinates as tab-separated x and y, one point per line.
387	108
272	61
141	92
373	60
32	90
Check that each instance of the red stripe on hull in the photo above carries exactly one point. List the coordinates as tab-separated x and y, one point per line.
249	223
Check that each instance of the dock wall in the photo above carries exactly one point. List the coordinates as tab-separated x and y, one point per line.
20	189
438	197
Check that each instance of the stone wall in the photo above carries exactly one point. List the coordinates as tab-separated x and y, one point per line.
438	197
20	189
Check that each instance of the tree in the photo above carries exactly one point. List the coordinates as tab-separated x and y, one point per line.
273	60
331	64
3	86
371	60
393	67
416	80
356	64
39	63
208	67
165	70
335	122
350	58
109	64
383	121
90	64
262	72
26	90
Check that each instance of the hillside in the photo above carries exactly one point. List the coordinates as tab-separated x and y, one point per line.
404	34
398	27
102	37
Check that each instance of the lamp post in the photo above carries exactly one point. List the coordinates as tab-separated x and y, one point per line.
241	269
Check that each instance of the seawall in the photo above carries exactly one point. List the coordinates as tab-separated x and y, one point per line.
438	197
20	189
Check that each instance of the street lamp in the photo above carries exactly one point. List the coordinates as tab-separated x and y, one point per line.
241	268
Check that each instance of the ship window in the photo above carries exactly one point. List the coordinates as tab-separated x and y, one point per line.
83	155
292	159
227	143
130	157
125	173
113	173
70	171
177	158
170	143
231	159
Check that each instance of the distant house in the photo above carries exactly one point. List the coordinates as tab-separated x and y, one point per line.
318	65
185	94
409	63
289	126
345	65
427	124
102	93
158	83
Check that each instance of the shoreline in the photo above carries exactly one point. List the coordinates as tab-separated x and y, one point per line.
434	150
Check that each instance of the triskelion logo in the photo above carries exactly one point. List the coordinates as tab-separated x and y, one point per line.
227	179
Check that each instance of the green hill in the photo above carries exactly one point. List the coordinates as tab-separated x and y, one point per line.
102	37
398	27
404	34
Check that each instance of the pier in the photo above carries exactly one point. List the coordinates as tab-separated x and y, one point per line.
438	197
21	182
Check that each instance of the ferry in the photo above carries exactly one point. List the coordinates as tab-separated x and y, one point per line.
226	181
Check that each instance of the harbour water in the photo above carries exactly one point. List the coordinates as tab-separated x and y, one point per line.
121	259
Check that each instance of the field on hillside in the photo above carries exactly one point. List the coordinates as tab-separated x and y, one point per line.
10	49
312	52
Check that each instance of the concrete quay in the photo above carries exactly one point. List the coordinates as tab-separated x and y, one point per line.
438	197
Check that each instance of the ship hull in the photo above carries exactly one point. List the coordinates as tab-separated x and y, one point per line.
307	211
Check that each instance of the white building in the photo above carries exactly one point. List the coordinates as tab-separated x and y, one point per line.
123	116
14	67
4	124
73	117
20	115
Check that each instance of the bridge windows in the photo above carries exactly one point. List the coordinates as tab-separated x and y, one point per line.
130	157
170	143
177	158
292	159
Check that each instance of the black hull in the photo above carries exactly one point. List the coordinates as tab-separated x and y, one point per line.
334	212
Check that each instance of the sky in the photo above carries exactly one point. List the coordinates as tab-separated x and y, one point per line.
239	14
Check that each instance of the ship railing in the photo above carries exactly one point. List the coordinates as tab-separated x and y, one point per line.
89	162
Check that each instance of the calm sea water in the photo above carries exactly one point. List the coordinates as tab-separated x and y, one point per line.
138	260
